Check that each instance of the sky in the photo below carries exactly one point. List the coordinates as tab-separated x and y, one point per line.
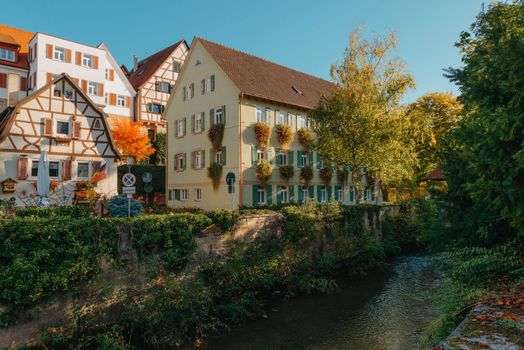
305	35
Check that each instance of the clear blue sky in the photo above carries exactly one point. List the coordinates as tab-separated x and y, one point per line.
303	34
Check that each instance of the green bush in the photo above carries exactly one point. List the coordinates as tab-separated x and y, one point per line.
74	211
224	218
118	206
299	223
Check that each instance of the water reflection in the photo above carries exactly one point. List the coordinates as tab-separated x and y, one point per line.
384	310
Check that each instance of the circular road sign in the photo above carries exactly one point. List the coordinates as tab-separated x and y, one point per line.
147	177
148	188
128	179
230	179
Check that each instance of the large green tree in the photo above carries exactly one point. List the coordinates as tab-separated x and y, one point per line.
485	159
361	124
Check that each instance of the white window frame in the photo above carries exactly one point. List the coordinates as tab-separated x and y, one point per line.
261	114
184	194
305	159
92	88
283	156
261	192
198	194
261	154
180	161
207	84
34	177
217	115
218	157
7	55
198	159
59	54
198	122
180	128
305	194
283	118
69	92
120	100
56	133
162	84
285	194
302	122
88	60
88	170
323	194
340	194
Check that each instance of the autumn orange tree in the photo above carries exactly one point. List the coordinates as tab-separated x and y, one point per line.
131	139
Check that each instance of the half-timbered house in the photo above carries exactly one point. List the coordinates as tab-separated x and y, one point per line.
61	119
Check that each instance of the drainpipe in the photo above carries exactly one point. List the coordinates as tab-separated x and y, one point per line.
240	177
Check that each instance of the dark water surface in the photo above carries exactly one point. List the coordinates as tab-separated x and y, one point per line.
384	310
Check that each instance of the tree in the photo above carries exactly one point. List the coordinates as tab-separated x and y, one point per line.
361	123
159	144
429	119
131	139
485	155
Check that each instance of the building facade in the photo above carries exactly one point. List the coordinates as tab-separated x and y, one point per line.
221	86
62	120
153	79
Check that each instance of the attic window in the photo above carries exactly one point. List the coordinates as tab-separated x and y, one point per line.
297	90
140	72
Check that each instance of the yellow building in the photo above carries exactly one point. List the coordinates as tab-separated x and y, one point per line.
220	85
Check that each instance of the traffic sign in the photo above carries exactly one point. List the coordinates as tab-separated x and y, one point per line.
128	179
129	189
230	179
147	177
148	188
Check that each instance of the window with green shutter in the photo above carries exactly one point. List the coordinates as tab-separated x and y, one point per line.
279	194
319	161
301	194
192	90
329	193
300	164
170	195
291	159
184	93
203	86
193	124
211	117
269	194
292	193
177	194
223	150
202	159
311	192
255	195
213	83
224	114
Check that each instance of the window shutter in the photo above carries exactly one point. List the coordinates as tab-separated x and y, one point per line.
48	78
193	159
3	80
192	90
279	194
76	129
300	194
128	101
185	164
269	195
23	83
23	167
49	51
193	124
212	83
203	86
111	74
224	114
170	195
311	192
211	156
112	99
329	192
177	195
176	128
84	86
68	56
48	127
292	193
78	58
95	62
351	194
184	93
185	123
318	160
319	190
100	89
203	121
175	162
299	159
224	155
66	169
211	117
202	159
253	155
255	195
311	158
291	160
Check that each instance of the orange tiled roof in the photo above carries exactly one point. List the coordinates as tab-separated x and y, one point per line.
22	38
260	78
149	65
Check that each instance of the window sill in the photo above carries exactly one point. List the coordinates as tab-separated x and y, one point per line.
64	139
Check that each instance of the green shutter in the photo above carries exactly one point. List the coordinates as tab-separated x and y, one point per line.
279	194
292	193
224	114
203	121
372	194
184	93
192	90
255	195
311	158
203	86
278	157
193	160
270	156
269	194
177	195
299	159
311	192
291	160
176	128
300	194
351	194
224	155
337	188
185	164
184	131
318	160
253	155
329	193
211	117
170	195
212	83
193	124
202	159
318	193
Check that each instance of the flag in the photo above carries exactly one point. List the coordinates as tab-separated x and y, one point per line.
99	172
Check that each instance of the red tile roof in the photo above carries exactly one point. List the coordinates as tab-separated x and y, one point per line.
22	38
149	65
435	175
260	78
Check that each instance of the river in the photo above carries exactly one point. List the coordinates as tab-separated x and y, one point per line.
384	310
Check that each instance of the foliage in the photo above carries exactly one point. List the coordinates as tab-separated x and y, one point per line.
262	133
130	139
284	134
118	206
214	172
342	174
159	144
223	218
216	135
74	211
484	158
263	171
305	138
325	174
430	118
362	124
286	172
306	174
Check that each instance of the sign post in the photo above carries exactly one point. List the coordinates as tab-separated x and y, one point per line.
129	180
230	180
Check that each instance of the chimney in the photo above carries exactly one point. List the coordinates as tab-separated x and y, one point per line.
135	62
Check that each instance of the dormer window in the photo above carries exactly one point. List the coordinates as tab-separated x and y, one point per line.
7	55
297	90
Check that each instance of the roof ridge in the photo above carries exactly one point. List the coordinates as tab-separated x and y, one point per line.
262	59
162	50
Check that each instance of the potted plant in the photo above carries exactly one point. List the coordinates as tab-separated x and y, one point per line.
263	171
305	138
306	174
284	134
216	135
262	133
286	172
325	174
214	172
342	174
